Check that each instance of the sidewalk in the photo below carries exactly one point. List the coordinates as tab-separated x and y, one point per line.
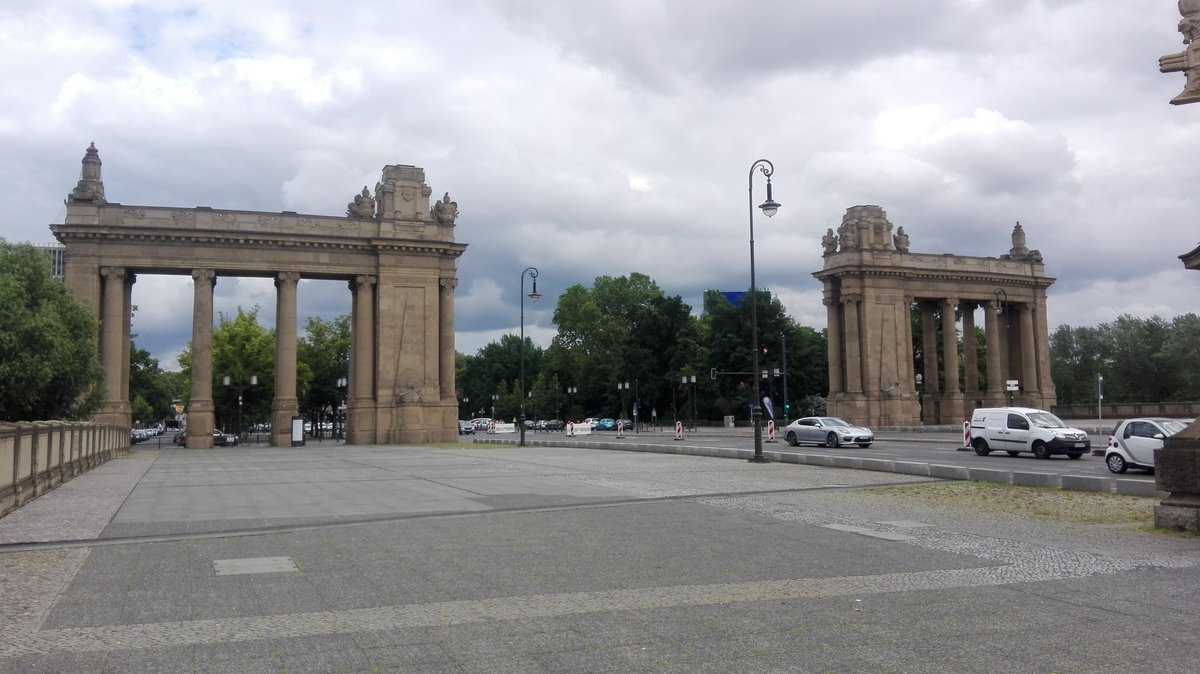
361	559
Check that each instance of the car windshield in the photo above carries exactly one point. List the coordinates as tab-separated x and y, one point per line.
834	421
1046	420
1171	426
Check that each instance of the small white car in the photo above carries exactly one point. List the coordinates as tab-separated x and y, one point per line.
827	431
1133	442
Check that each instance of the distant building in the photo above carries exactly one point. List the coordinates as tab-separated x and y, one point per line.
57	255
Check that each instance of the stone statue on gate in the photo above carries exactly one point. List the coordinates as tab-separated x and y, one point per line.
445	211
363	205
900	239
1188	60
829	242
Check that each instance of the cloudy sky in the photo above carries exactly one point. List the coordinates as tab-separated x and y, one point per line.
602	138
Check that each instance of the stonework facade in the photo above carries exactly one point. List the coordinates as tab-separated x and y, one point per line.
399	262
872	282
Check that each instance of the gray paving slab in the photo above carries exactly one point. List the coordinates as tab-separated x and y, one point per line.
564	559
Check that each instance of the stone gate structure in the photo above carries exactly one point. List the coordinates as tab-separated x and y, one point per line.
396	253
871	284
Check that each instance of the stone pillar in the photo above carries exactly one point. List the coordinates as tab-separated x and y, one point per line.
285	404
126	342
833	344
361	410
994	344
929	348
853	345
1028	355
446	287
970	352
1177	470
1042	329
114	347
200	407
951	412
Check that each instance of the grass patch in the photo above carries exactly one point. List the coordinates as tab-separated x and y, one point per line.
1054	505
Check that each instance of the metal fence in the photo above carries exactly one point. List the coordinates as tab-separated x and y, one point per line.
36	457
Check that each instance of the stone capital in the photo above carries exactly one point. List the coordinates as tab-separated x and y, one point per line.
204	276
289	277
114	272
448	283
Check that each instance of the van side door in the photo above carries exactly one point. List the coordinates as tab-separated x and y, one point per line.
1016	433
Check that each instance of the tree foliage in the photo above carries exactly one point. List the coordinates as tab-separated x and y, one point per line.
49	362
1140	359
626	330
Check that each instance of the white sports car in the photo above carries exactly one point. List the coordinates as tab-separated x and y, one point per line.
827	431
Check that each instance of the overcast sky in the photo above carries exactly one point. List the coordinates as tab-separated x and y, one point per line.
603	138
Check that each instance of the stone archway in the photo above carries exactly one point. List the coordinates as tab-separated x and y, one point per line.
397	254
871	282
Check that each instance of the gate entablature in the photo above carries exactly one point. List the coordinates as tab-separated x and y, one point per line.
395	249
871	280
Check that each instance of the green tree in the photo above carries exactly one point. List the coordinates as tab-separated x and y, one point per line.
49	363
151	385
324	352
241	349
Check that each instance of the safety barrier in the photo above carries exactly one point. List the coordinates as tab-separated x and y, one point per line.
678	430
770	430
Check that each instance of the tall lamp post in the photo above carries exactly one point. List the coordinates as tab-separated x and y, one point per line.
769	208
532	273
227	381
340	428
622	387
691	379
571	391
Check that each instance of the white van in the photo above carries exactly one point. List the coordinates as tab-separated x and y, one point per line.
1024	429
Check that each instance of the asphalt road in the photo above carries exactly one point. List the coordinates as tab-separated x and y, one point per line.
933	447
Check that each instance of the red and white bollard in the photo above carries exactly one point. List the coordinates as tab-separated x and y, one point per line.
491	427
678	430
770	430
966	435
570	429
620	429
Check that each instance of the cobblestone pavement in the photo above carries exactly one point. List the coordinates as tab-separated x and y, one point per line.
553	560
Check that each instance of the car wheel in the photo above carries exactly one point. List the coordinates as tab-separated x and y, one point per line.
1040	450
1115	463
1074	455
864	445
981	447
1012	452
831	440
791	439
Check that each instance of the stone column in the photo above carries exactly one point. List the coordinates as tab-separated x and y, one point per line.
1042	335
994	344
200	407
833	344
361	410
446	288
970	352
113	344
285	404
1028	355
853	344
929	348
952	411
126	342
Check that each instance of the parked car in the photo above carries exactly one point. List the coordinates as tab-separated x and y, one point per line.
223	439
1133	442
481	423
626	424
1024	429
605	425
555	425
590	422
827	431
466	428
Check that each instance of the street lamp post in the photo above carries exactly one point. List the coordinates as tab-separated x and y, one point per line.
532	272
495	397
240	387
622	387
691	379
340	428
571	391
769	208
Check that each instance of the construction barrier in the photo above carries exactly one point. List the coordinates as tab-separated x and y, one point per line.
678	430
620	429
966	435
491	428
770	430
570	429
